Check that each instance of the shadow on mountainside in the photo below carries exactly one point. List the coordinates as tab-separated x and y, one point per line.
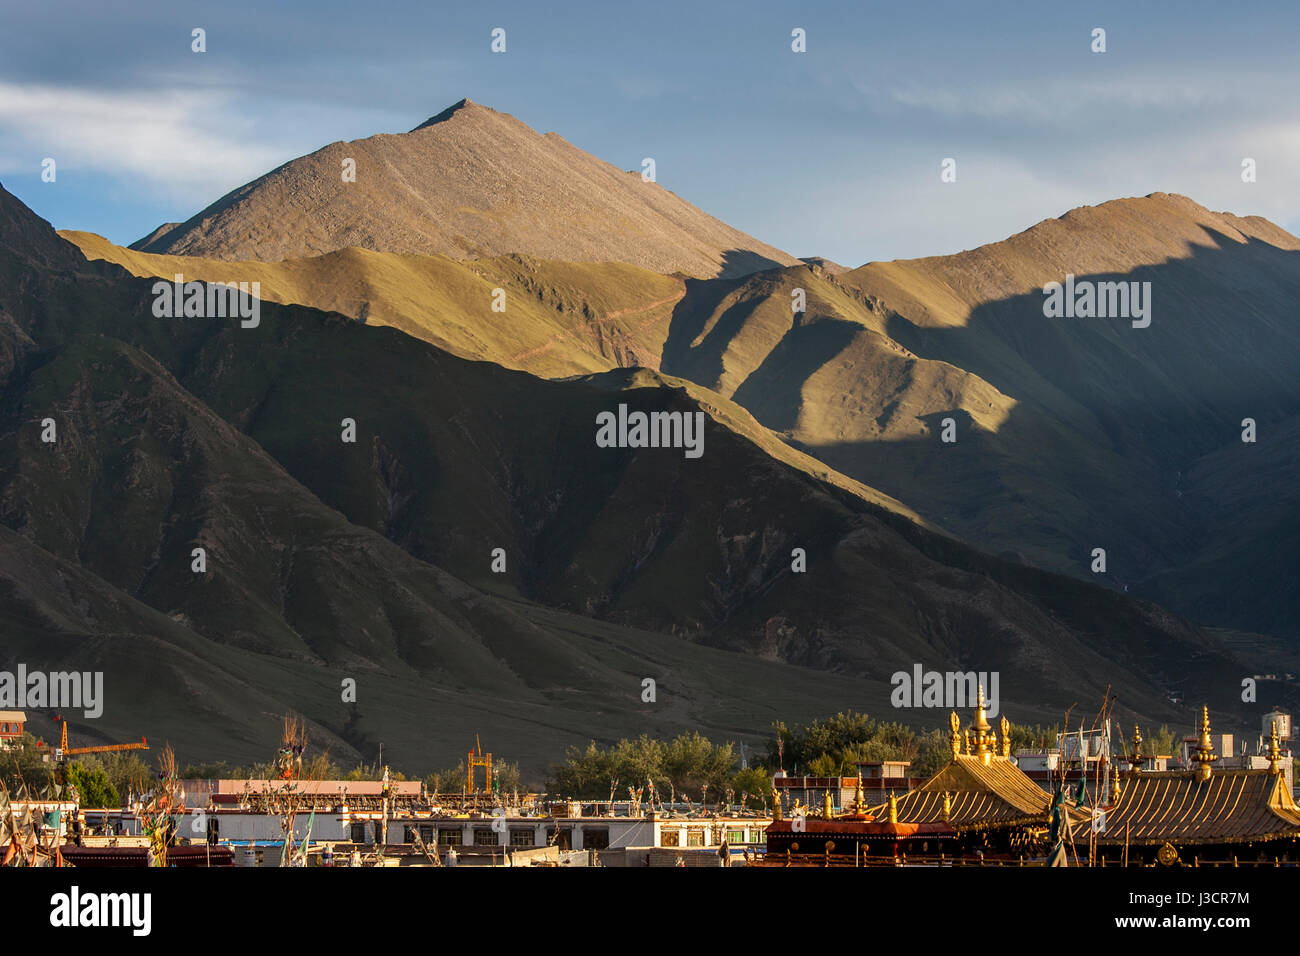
1107	422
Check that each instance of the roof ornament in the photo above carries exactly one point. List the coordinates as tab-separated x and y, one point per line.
947	805
983	742
859	798
1136	759
1205	754
954	722
828	810
893	807
1005	726
1274	751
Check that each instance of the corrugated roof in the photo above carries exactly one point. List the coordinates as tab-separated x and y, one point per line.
1175	806
996	794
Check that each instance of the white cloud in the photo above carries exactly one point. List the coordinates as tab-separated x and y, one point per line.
194	145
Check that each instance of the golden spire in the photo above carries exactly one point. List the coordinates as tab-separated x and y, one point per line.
859	798
1136	759
947	804
1274	752
893	807
983	743
1005	726
955	737
1205	754
828	810
776	803
1114	783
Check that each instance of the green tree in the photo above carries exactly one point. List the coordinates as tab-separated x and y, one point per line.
448	780
753	787
1163	742
691	762
934	750
23	765
95	790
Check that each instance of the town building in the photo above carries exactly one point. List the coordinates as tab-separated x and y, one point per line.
11	726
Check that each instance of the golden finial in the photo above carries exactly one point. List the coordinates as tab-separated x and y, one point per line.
1205	754
859	798
828	811
1114	784
893	807
981	741
1137	749
947	804
1005	726
776	803
1274	751
955	723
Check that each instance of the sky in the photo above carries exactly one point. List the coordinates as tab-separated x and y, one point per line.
833	152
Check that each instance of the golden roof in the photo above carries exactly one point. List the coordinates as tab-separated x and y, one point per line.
978	791
1180	806
980	788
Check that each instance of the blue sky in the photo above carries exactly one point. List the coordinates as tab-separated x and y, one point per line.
832	152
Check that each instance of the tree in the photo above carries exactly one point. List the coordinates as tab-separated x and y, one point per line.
753	788
686	764
934	750
693	762
94	789
448	780
125	770
23	763
1162	742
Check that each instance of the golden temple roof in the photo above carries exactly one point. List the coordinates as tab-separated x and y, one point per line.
1183	806
981	791
979	788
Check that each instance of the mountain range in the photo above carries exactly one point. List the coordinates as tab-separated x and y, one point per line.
374	559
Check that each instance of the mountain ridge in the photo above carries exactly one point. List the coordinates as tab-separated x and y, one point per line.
631	552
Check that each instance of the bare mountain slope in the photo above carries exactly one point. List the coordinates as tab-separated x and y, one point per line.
470	182
1072	433
326	555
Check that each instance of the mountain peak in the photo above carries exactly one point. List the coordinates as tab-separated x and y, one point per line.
463	105
468	183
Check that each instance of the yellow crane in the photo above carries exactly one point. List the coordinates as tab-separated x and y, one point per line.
477	758
66	751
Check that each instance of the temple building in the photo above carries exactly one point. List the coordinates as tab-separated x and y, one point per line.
995	809
856	838
1208	814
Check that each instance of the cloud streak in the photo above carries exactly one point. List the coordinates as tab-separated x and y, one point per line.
191	144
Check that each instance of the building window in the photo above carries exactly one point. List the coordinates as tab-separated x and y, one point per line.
760	837
670	838
735	836
427	834
449	837
485	838
597	839
694	837
358	833
522	838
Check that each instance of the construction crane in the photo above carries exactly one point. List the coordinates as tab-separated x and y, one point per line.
66	751
477	758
